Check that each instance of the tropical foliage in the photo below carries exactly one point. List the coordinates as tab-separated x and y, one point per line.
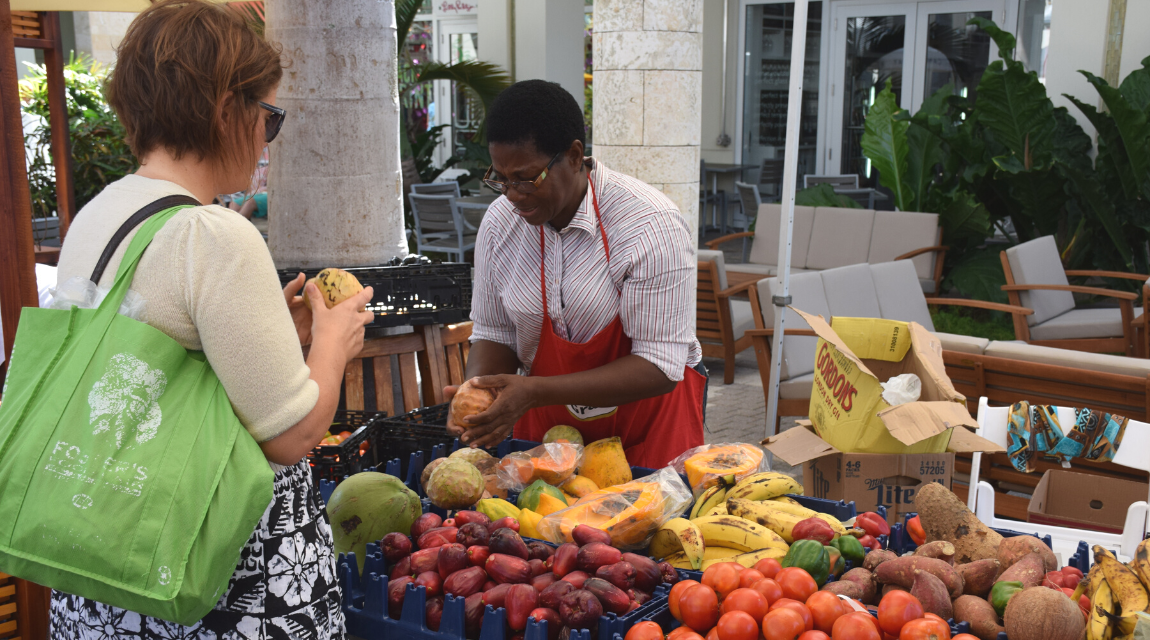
99	153
1010	161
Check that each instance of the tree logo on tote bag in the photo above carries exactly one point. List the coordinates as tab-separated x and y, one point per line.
124	400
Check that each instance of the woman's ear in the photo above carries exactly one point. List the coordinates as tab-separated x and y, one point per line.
224	110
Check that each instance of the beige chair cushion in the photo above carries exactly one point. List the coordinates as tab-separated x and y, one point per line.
839	237
1139	367
850	292
757	269
711	255
797	388
926	284
765	248
963	344
807	294
899	294
898	232
742	318
1037	262
1082	323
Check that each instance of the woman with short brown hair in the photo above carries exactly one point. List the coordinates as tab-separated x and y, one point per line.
195	89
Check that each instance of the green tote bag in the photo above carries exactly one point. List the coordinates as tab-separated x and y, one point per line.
125	475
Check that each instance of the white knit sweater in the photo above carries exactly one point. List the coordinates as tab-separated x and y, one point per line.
210	284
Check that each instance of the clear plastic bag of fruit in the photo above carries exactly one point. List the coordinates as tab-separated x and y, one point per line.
706	465
631	513
552	463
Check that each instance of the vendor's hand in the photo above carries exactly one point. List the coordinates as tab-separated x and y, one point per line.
514	396
448	394
300	314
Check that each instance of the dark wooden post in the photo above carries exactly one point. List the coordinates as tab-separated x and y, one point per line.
58	120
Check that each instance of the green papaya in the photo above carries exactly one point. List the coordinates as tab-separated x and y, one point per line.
529	497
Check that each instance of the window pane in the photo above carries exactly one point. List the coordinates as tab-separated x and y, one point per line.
874	53
956	53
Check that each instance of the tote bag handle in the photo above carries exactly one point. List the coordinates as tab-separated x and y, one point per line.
137	218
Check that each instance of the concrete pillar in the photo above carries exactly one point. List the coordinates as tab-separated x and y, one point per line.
495	42
334	182
648	94
549	42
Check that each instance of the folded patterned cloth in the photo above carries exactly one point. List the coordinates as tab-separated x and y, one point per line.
1034	431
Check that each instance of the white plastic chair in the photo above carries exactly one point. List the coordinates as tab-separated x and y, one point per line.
1134	453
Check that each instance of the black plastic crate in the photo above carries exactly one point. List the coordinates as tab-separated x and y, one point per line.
423	430
410	295
357	453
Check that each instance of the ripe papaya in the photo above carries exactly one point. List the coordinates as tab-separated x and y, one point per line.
605	464
706	468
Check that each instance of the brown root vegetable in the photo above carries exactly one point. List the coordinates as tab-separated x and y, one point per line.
1039	613
1029	571
981	616
901	571
978	576
877	557
945	517
887	588
844	588
1014	549
939	549
932	593
866	583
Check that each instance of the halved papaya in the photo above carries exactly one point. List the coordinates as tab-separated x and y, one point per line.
707	467
627	512
552	463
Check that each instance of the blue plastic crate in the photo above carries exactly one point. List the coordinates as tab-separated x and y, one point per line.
901	543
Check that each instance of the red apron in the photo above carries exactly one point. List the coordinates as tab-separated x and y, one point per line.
654	431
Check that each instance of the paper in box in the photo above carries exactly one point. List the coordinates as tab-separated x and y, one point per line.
852	358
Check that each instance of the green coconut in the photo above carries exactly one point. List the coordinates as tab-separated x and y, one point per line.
563	433
368	506
529	497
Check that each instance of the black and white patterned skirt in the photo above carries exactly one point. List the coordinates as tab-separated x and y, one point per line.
284	587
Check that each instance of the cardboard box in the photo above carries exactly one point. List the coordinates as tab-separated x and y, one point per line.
852	360
1083	501
870	479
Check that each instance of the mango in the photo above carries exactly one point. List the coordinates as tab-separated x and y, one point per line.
578	485
548	504
528	522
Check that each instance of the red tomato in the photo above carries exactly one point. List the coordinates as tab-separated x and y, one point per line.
769	588
783	624
722	577
747	600
804	611
825	608
683	633
676	593
645	630
856	626
713	634
699	608
769	567
814	635
896	609
934	616
964	636
749	577
796	583
925	629
738	625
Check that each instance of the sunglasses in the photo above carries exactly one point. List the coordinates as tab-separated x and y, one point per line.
275	121
525	187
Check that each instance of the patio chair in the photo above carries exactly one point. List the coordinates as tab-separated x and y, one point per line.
449	188
453	340
717	199
439	226
771	175
847	181
1134	453
377	356
749	201
1035	279
721	322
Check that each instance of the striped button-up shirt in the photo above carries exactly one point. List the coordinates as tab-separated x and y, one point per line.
649	281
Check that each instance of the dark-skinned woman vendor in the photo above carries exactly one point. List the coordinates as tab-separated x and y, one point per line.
584	281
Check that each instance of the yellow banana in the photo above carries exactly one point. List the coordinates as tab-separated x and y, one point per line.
1101	604
780	522
1124	584
710	497
679	561
718	553
799	510
679	536
750	558
765	486
1140	563
737	533
786	500
719	510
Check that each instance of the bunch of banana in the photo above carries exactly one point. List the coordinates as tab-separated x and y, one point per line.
765	486
1117	594
681	540
722	538
710	498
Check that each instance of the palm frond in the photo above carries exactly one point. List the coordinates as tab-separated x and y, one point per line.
405	12
485	79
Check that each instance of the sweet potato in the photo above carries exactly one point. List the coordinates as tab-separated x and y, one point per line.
939	549
887	588
877	557
931	592
844	588
1014	549
981	616
865	581
901	571
1029	571
945	517
978	577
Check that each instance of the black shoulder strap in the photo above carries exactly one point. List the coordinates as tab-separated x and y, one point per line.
163	204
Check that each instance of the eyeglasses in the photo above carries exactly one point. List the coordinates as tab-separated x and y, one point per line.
529	186
275	121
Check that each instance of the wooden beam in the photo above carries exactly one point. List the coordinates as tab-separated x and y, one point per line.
58	121
32	43
32	600
17	259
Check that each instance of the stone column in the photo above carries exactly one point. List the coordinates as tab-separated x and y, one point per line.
335	190
648	65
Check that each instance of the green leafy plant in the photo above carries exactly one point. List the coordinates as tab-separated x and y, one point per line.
823	195
99	153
